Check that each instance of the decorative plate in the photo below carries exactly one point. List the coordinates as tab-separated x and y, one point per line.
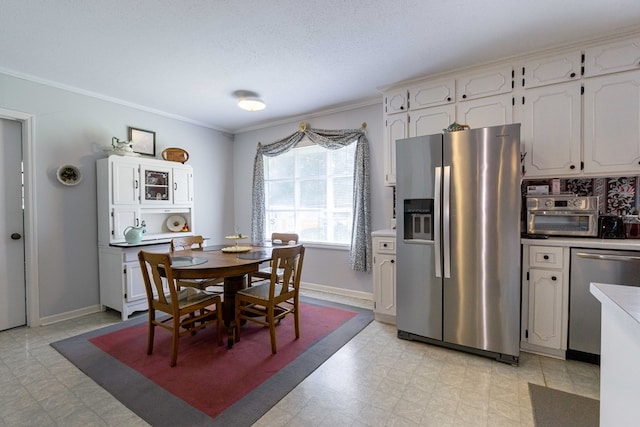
176	223
236	249
236	237
69	175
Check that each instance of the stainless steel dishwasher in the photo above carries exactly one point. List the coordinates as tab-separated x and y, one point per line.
594	265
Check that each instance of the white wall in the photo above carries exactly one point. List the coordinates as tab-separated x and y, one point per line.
73	129
327	267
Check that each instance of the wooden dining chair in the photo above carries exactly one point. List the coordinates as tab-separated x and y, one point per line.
188	309
265	273
269	302
195	242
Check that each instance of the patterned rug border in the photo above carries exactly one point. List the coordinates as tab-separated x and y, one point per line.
140	394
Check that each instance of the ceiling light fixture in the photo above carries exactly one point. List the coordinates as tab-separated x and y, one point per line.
251	104
248	100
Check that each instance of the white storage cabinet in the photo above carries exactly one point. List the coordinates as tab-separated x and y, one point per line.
545	280
384	278
137	191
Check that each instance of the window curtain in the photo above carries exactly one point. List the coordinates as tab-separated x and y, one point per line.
360	255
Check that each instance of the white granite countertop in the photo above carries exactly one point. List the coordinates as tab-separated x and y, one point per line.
625	297
586	242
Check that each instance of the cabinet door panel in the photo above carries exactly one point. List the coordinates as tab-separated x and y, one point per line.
396	128
385	269
182	186
545	308
490	111
124	217
612	123
135	282
431	120
553	69
126	183
396	102
488	83
432	94
612	57
552	130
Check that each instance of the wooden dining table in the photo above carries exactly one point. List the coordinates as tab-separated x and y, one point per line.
212	262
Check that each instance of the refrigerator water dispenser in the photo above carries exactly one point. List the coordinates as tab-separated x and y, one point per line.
418	217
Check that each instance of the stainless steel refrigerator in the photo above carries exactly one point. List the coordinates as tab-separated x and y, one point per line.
458	253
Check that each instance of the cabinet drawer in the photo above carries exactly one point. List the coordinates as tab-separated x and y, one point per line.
545	256
384	245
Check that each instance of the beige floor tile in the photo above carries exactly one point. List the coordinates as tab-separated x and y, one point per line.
374	380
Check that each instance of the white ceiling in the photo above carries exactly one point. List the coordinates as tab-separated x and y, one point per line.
187	57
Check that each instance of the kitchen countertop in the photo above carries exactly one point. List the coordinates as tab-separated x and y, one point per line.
384	233
626	298
619	373
586	242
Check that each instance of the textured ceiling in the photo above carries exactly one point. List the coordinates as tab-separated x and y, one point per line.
187	57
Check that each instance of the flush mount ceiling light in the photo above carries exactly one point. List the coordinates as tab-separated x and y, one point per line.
251	104
249	101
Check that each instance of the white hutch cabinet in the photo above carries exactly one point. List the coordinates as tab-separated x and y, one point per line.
137	191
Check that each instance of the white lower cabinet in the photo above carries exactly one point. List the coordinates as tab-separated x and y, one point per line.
121	283
545	279
384	278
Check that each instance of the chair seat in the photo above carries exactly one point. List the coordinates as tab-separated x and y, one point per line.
260	291
188	297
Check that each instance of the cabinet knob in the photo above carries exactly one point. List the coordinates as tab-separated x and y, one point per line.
572	75
448	99
554	278
393	261
384	245
16	236
572	167
402	107
546	257
464	96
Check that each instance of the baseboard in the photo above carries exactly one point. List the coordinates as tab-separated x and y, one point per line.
44	321
368	296
385	318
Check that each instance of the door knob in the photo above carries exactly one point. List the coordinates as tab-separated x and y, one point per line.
16	236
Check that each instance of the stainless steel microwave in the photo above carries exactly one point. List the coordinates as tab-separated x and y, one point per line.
563	215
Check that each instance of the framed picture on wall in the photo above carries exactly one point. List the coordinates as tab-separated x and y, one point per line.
144	141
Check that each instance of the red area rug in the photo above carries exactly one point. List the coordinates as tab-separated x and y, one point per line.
212	378
211	385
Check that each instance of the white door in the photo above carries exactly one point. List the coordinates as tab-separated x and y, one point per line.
12	262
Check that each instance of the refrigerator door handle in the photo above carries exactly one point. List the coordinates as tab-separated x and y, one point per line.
446	221
436	220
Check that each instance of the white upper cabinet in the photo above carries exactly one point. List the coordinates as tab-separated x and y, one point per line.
395	128
396	101
612	57
431	120
487	83
432	94
483	112
612	123
182	185
552	69
126	182
551	130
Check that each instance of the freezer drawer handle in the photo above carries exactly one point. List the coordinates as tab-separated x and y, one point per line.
608	257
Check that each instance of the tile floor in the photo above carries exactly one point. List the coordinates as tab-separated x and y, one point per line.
374	380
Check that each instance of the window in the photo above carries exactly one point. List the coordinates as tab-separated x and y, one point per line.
309	190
